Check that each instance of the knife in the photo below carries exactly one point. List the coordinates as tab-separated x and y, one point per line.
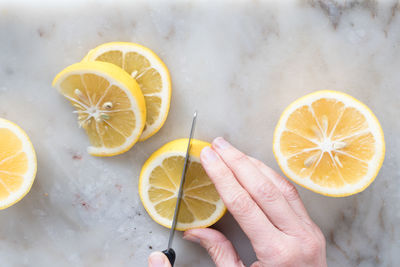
169	252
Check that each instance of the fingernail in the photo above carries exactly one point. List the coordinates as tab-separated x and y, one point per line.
191	238
220	143
157	259
208	155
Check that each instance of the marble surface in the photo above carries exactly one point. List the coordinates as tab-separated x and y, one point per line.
240	63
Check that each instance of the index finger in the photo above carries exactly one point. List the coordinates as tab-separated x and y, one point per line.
239	203
268	197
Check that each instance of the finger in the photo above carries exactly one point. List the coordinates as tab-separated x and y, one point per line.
291	195
158	259
288	190
218	247
261	189
246	212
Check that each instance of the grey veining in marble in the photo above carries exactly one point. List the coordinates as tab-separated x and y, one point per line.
240	63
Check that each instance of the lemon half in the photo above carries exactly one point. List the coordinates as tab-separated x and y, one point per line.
17	163
159	182
330	143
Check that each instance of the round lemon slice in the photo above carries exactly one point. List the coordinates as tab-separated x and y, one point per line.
17	164
109	104
159	182
149	71
330	143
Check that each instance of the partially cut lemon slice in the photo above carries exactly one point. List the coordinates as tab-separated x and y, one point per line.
149	71
159	182
330	143
17	164
109	104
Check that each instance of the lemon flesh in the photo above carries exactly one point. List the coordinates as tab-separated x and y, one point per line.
159	183
109	104
17	164
330	143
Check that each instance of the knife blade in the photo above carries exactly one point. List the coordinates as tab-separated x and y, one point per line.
169	252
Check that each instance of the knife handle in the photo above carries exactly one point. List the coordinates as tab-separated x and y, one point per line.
170	253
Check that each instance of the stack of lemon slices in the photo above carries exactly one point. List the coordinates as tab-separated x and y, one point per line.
121	92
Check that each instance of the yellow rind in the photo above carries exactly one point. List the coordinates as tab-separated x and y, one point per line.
178	145
275	142
35	162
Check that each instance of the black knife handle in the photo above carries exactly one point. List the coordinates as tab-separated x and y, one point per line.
170	253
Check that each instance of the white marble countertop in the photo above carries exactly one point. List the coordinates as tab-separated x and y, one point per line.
240	63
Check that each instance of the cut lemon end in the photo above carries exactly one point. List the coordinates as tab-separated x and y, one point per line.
159	182
330	143
149	71
109	104
17	164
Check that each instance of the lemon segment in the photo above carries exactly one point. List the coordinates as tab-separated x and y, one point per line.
109	104
149	71
159	183
330	143
17	164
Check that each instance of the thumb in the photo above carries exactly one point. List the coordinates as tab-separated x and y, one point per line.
158	259
218	247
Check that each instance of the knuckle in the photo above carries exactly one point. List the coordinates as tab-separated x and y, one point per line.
268	192
321	237
312	247
256	162
219	252
237	157
289	262
222	171
284	255
240	203
288	190
279	250
216	252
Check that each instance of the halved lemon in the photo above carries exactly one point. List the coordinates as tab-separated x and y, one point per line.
17	164
159	182
330	143
149	71
109	104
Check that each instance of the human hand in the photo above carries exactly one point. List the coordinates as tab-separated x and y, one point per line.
158	259
267	208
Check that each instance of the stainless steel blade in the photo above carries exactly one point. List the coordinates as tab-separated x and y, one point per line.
178	201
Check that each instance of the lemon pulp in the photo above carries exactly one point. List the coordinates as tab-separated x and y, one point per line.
330	143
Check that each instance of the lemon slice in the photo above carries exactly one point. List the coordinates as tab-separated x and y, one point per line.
330	143
17	164
159	182
109	104
149	71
